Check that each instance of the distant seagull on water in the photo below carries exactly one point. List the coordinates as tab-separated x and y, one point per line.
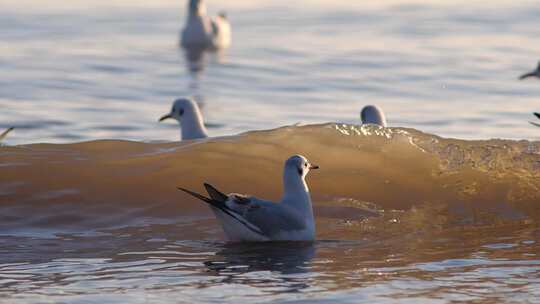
5	133
187	113
535	73
534	123
247	218
203	32
373	115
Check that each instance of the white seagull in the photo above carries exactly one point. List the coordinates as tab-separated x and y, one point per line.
249	219
535	73
373	115
5	133
203	32
187	113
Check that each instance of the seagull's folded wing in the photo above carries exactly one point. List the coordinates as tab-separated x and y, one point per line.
273	218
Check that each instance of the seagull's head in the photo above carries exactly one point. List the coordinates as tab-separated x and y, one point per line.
373	115
197	7
187	113
182	109
298	165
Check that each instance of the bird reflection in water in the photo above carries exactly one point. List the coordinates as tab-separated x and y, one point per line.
287	262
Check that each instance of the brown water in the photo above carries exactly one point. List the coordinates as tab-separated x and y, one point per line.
401	216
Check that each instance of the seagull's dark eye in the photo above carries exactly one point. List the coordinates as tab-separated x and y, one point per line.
181	112
305	165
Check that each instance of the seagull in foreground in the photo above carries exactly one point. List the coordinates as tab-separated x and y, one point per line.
187	113
5	133
373	115
535	73
249	219
203	32
534	123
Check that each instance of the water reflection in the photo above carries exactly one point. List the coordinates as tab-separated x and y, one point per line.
152	260
277	263
195	59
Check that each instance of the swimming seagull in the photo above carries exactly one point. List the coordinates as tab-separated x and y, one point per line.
535	73
203	32
247	218
534	123
187	113
373	115
5	133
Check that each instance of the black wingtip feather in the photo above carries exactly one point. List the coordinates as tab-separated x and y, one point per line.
527	75
5	133
537	114
197	195
215	193
207	200
219	204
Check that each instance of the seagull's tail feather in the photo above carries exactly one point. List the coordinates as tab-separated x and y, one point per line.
220	204
215	193
5	133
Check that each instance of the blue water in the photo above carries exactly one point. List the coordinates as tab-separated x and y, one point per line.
82	71
72	72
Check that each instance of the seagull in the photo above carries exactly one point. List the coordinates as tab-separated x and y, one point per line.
5	133
373	115
187	113
203	32
249	219
535	73
534	123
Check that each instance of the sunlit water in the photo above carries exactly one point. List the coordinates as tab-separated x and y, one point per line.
83	70
402	216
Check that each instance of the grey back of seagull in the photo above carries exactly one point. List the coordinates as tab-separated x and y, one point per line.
274	218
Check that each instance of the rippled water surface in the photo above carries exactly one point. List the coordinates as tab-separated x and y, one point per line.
109	69
157	267
402	216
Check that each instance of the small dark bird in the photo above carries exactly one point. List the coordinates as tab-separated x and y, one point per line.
5	133
535	73
534	123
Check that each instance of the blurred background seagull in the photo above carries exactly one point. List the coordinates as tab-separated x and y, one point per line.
537	116
187	113
373	115
246	218
203	32
5	133
535	73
